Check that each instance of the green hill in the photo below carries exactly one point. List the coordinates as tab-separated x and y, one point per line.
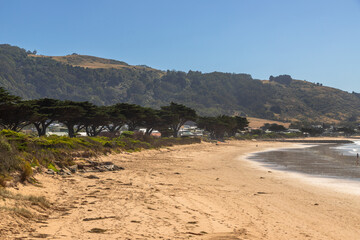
103	81
86	61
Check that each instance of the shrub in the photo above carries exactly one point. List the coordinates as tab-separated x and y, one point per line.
8	160
26	172
20	140
127	134
52	167
2	181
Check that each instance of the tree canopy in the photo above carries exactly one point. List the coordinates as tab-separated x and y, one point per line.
222	125
76	116
175	115
44	113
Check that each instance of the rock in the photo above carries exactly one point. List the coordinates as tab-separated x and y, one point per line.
50	171
100	168
73	168
97	230
97	218
108	163
110	167
95	167
193	222
118	168
64	171
92	177
93	163
81	166
261	193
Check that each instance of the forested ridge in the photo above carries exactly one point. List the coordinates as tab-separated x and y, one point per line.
214	93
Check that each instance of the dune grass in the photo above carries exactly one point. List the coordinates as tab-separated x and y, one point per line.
19	211
34	200
22	200
20	152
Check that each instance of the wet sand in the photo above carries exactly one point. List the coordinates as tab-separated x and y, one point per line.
202	191
321	160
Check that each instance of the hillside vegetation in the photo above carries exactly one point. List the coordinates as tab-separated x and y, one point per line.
104	82
86	61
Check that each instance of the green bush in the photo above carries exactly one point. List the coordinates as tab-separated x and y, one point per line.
20	140
127	134
52	167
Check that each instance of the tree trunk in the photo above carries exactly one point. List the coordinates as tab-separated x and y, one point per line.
149	131
41	127
176	129
38	128
175	133
92	131
132	126
71	131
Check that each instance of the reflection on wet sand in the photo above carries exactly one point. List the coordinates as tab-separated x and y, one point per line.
321	160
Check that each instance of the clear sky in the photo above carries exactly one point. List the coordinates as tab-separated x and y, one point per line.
315	40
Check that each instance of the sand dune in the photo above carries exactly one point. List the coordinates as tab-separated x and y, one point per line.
202	191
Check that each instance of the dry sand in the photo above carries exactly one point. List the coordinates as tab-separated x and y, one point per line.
201	191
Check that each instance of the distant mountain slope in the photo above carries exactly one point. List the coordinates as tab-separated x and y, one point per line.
86	61
104	81
259	122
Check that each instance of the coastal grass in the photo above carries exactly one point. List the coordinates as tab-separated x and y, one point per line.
18	211
24	200
22	153
34	200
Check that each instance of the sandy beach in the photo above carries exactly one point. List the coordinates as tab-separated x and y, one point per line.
200	191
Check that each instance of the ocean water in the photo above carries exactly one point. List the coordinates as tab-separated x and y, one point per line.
350	149
337	161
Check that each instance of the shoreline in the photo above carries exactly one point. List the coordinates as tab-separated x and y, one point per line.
332	183
314	141
200	191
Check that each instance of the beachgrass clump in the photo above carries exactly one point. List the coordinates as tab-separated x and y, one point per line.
26	171
33	200
18	211
22	204
9	160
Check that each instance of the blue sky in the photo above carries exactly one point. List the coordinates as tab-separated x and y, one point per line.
315	40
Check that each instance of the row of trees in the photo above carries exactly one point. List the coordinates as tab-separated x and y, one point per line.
15	114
